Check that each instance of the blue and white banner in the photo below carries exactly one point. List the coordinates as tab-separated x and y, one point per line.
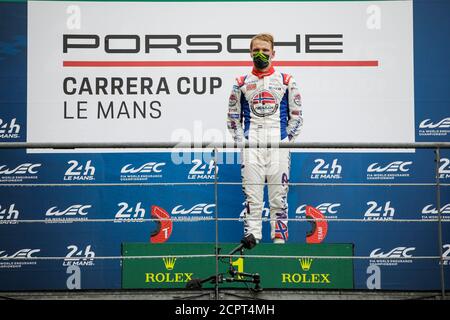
369	71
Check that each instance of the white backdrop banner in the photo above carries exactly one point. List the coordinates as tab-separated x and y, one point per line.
141	72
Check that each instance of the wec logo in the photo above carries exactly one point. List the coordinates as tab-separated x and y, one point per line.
149	167
23	253
395	166
399	252
201	208
431	209
395	169
79	172
440	128
73	210
427	124
9	130
25	168
325	208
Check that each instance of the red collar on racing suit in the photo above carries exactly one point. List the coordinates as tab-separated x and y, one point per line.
261	74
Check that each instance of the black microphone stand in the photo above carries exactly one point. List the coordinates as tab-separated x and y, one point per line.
248	242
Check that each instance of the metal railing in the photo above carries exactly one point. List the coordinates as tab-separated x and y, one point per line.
221	145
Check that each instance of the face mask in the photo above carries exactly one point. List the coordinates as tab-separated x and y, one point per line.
260	60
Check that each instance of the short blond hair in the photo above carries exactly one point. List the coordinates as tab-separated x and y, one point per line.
267	37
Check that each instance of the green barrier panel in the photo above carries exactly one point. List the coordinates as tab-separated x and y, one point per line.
276	273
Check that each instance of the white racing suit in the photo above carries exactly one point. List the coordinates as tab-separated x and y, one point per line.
265	108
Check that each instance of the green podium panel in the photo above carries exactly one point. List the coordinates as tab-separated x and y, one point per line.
168	271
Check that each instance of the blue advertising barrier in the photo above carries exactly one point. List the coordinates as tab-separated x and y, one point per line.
68	192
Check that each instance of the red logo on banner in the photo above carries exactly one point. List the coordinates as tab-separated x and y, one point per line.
319	227
163	225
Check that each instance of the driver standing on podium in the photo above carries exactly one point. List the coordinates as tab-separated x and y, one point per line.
265	108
